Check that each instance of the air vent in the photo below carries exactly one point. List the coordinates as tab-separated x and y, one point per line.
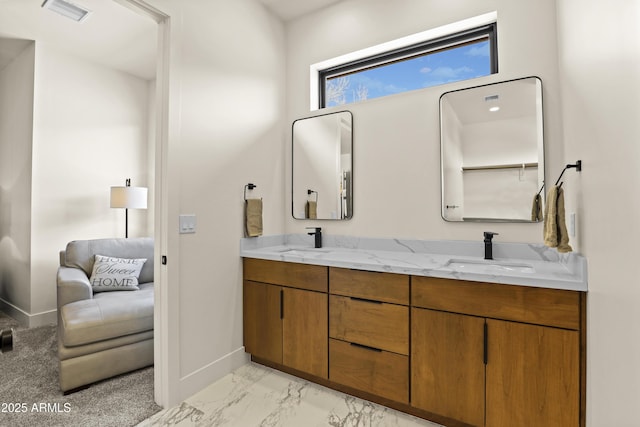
491	98
66	9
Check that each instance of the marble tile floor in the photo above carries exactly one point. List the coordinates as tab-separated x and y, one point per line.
257	396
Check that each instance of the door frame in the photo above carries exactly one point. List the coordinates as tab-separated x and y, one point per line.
162	349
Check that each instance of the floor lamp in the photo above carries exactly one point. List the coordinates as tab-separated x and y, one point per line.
126	198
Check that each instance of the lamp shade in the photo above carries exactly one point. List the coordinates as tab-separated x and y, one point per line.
129	197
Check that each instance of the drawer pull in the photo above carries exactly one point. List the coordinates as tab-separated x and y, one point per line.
365	300
366	347
366	271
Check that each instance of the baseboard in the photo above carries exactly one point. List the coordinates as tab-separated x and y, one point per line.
29	320
201	378
43	318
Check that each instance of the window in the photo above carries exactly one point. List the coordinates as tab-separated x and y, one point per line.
460	56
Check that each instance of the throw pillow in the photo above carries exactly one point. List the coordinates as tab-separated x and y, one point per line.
115	274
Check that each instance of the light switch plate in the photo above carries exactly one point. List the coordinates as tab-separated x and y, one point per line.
187	224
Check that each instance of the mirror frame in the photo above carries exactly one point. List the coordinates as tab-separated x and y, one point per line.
541	158
350	188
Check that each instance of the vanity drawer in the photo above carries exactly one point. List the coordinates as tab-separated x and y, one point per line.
374	324
291	274
385	287
542	306
375	371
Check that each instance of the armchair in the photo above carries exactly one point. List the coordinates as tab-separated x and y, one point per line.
103	334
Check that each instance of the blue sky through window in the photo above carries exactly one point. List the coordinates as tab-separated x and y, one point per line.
431	69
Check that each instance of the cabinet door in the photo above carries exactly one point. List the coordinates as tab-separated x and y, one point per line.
305	331
532	375
447	365
262	322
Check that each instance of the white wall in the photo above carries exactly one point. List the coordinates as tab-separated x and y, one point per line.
151	155
397	138
500	193
600	68
226	106
16	129
501	142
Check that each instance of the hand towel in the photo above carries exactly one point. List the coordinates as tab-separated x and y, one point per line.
555	228
550	226
563	235
253	217
311	210
536	208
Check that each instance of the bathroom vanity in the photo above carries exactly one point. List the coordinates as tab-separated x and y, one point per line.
408	328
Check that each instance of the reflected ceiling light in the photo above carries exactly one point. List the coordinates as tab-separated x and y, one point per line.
492	98
67	9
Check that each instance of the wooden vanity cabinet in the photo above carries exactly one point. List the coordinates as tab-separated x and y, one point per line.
456	352
369	332
497	355
285	314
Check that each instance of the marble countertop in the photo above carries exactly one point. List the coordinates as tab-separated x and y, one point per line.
513	263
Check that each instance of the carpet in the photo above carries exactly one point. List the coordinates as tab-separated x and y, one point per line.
29	393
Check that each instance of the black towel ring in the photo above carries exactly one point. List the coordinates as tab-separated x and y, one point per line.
311	191
250	186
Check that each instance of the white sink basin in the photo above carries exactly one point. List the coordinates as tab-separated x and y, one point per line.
304	251
488	266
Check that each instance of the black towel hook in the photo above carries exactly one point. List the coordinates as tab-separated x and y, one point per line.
250	186
311	191
577	166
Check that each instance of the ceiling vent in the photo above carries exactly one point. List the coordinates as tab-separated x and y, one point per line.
67	9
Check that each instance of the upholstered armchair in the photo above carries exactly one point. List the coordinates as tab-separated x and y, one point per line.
110	332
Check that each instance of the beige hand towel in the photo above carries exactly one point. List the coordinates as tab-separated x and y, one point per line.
311	210
536	208
555	228
563	235
253	217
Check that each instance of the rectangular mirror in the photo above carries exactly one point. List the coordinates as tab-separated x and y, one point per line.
492	151
322	162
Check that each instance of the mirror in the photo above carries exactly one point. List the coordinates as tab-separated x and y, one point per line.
322	162
492	151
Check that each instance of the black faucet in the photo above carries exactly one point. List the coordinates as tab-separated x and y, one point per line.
488	246
318	236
